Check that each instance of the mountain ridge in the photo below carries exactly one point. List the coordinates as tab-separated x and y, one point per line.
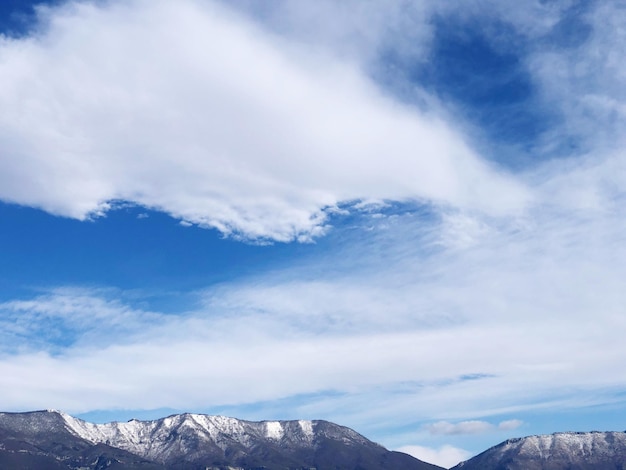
191	441
594	450
53	440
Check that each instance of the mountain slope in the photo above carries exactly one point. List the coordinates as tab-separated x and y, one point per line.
559	451
42	441
49	440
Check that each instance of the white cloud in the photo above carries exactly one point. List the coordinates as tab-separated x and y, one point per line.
510	425
445	456
471	427
193	110
463	427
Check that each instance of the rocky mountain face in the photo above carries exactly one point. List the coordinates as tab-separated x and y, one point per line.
560	451
49	440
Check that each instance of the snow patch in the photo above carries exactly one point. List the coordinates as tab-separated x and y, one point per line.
307	428
274	430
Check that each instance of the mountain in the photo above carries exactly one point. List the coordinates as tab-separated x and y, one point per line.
560	451
43	441
50	440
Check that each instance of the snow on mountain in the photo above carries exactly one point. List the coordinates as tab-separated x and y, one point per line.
152	439
571	450
274	430
575	444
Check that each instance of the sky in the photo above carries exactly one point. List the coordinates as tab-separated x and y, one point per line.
406	217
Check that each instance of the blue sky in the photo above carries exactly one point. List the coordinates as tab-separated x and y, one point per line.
404	217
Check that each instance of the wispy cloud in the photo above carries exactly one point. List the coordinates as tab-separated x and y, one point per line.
582	76
463	427
67	317
471	427
510	424
535	302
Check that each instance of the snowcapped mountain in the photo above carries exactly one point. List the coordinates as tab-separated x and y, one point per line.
559	451
54	440
195	434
